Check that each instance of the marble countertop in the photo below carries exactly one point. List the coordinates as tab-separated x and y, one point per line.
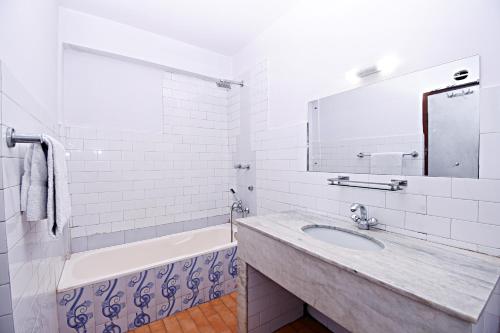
455	281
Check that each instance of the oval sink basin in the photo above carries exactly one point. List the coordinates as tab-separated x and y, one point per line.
344	238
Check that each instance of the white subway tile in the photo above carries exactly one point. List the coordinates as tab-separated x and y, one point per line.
477	233
455	208
435	186
489	212
428	224
488	159
407	202
476	189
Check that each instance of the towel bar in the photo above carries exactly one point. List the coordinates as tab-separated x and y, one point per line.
394	185
412	154
12	138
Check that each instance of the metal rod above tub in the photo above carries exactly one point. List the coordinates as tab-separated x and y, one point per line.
12	138
394	185
412	154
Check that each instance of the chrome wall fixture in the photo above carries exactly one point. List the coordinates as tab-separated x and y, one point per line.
242	166
412	154
12	138
394	185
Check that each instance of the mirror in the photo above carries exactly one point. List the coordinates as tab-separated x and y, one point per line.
422	123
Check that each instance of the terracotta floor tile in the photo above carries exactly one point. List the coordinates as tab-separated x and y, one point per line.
226	315
157	327
143	329
200	320
172	325
230	303
186	322
219	316
208	309
218	324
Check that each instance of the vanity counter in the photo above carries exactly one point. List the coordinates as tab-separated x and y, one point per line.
454	281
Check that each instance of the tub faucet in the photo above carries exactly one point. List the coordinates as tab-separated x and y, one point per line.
362	222
237	207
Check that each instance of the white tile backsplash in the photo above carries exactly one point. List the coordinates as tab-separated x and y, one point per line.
456	208
438	226
478	233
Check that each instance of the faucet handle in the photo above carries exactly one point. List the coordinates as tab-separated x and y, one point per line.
355	218
372	221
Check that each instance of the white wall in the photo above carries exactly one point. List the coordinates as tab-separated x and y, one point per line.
30	260
106	93
311	48
28	44
105	35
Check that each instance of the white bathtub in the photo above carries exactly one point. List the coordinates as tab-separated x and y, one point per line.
88	267
130	285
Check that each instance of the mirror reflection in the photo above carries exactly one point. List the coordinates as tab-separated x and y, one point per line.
423	123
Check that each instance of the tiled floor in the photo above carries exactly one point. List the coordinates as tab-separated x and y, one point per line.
219	316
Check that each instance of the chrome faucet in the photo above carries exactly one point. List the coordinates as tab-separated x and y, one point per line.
363	222
237	207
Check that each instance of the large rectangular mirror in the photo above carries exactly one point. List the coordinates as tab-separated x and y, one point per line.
423	123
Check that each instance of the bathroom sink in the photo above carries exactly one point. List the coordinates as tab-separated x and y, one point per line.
344	238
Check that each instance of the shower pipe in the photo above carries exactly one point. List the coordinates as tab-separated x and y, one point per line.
222	83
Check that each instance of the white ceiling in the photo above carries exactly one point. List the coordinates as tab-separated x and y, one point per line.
223	26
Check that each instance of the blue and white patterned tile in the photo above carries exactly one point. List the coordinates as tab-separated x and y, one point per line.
214	274
173	305
144	317
231	262
116	326
230	285
141	304
194	298
169	279
192	270
76	311
168	288
110	300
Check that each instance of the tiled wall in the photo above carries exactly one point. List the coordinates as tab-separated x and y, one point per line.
452	211
31	261
140	298
129	185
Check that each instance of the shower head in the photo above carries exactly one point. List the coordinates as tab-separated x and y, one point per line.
223	84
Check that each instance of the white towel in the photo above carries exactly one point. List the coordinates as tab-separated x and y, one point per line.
58	199
386	163
34	184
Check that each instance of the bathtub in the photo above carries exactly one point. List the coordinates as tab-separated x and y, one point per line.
123	287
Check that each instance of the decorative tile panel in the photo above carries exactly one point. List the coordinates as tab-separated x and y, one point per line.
214	274
122	304
168	289
110	303
191	288
141	305
76	311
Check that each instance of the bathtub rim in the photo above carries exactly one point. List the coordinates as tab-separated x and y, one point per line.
108	277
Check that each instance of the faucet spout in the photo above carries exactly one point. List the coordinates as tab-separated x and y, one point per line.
363	222
362	210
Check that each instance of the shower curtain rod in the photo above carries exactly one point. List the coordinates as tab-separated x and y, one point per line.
218	81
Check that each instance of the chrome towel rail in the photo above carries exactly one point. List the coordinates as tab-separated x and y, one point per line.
394	185
12	138
412	154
